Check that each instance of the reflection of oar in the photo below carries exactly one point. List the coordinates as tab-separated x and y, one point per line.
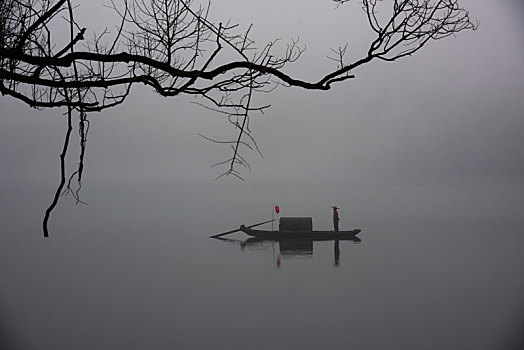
233	231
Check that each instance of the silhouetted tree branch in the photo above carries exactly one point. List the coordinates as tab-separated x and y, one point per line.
173	47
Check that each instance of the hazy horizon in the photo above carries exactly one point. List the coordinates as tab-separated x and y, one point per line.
424	154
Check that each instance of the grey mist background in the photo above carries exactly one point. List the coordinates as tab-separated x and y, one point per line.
426	155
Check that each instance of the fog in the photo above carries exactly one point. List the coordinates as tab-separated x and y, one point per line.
424	142
454	109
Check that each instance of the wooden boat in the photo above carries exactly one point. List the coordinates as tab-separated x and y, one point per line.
310	235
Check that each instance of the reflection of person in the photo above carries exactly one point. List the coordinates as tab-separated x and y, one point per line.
337	254
336	219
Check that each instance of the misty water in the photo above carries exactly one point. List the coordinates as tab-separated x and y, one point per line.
437	267
424	155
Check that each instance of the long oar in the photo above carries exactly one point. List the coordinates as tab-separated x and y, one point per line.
233	231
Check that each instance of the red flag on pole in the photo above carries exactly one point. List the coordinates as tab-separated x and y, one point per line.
277	209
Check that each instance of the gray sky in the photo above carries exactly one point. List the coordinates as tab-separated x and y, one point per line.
431	141
453	109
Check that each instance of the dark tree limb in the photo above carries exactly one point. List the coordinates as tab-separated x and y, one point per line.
62	173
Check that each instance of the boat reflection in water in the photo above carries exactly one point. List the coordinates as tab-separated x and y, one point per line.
292	248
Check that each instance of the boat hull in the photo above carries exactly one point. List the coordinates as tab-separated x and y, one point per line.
310	235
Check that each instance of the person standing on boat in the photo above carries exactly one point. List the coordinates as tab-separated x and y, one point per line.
336	219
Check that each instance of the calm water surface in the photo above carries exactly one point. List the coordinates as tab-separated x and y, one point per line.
128	273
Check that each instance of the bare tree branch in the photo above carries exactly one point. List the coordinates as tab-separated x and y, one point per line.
175	48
